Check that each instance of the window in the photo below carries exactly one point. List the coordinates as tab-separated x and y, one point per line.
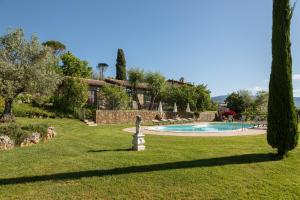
92	94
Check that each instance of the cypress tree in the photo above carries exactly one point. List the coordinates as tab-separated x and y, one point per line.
121	65
282	132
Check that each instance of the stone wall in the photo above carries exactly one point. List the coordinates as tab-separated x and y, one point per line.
207	116
123	116
128	116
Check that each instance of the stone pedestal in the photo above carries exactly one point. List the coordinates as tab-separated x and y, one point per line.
138	140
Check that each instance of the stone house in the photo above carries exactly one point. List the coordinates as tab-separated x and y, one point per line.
143	89
95	85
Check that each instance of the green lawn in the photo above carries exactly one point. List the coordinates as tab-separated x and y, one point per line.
95	163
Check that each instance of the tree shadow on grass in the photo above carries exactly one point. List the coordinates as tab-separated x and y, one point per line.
209	162
107	150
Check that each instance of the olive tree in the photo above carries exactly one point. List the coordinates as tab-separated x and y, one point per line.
261	101
157	83
25	66
202	97
136	77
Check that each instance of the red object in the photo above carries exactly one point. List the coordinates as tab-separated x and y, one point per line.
229	112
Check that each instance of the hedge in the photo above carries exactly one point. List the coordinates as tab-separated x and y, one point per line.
18	132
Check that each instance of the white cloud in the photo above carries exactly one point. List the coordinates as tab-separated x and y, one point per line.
256	89
296	92
296	77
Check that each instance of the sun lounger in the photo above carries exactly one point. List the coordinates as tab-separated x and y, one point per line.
243	118
154	121
259	123
179	120
190	119
185	120
262	123
172	121
255	121
164	120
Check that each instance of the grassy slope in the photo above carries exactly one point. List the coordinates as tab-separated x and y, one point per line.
92	162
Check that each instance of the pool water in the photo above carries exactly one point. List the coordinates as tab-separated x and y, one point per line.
208	127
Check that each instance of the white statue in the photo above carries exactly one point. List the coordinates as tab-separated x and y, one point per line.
138	140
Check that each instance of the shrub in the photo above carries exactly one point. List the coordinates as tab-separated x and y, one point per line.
1	104
26	110
88	112
229	112
114	97
72	94
197	115
14	132
158	117
18	132
40	128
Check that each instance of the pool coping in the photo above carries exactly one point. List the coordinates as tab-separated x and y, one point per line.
239	132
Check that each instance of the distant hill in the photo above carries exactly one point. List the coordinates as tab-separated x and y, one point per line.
221	98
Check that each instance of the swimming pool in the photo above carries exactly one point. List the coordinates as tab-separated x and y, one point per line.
206	127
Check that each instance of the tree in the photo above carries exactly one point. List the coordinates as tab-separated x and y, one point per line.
57	47
72	94
261	101
198	97
135	77
203	100
235	102
240	101
121	65
114	97
102	68
282	132
25	66
73	66
247	98
182	95
157	83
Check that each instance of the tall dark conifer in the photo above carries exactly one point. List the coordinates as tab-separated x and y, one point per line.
121	65
282	122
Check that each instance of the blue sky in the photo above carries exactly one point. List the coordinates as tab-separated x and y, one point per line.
224	44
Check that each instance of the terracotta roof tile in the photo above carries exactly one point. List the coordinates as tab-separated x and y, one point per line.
127	83
93	82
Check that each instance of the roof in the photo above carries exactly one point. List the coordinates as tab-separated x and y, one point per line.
172	81
93	82
125	83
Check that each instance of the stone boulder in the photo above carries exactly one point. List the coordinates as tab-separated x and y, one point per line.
33	139
6	143
50	133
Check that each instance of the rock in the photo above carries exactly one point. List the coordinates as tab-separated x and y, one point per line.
6	143
50	133
33	139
